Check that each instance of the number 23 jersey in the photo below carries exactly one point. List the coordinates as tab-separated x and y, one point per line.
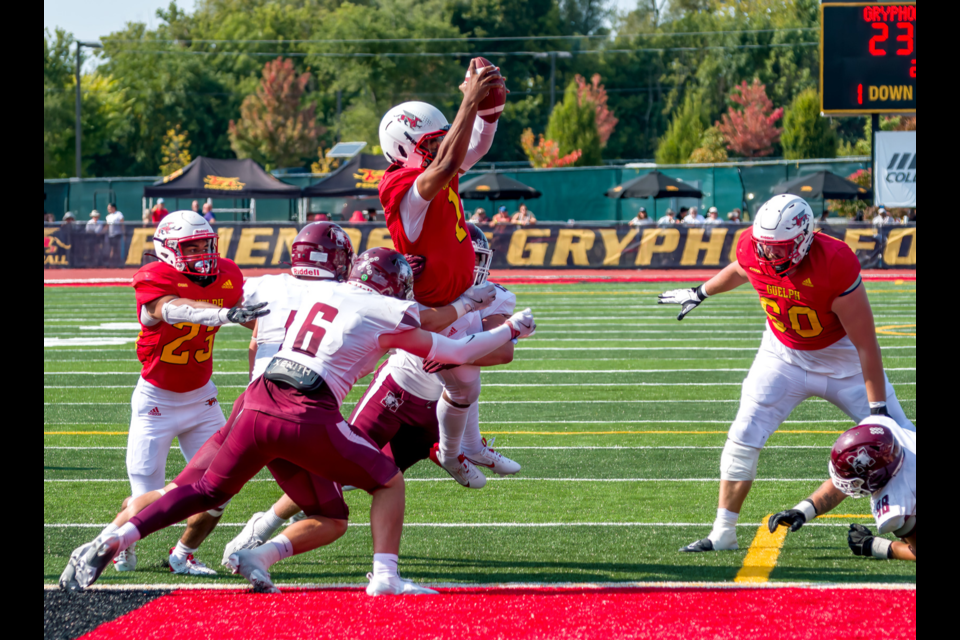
179	358
799	306
337	330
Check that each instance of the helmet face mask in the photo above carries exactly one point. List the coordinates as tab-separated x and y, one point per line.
481	247
171	242
866	458
783	233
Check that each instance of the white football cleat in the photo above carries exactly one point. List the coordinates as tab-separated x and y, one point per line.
126	561
727	542
188	566
251	567
248	539
68	580
461	469
395	586
494	460
98	556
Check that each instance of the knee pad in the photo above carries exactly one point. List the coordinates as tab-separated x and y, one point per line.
739	463
462	384
216	513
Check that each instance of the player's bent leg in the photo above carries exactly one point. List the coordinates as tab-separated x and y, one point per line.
850	395
386	519
262	526
481	452
461	391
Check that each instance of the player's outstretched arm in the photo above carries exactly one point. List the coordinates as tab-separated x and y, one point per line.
729	279
446	351
174	310
475	298
498	357
826	499
856	316
864	544
453	150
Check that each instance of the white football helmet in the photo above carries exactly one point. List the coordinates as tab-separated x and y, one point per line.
405	129
783	232
187	226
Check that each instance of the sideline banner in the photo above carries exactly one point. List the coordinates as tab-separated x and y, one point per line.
542	246
896	169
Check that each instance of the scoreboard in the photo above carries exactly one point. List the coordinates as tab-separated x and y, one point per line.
868	58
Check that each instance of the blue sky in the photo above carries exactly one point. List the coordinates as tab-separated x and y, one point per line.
90	19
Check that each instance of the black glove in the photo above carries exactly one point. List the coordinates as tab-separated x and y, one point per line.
431	366
879	411
860	540
794	519
242	314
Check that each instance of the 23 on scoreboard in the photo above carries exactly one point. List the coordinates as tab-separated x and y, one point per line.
868	58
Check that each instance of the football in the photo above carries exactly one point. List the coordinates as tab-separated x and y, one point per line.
492	106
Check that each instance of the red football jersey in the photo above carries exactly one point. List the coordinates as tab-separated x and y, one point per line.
799	306
179	358
444	240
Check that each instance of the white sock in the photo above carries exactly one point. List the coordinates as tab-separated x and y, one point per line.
472	440
183	551
129	536
385	565
268	524
272	552
453	421
111	528
725	523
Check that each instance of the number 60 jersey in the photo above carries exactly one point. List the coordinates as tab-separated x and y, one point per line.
179	358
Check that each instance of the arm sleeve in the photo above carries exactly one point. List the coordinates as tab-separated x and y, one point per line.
187	314
470	348
481	139
413	211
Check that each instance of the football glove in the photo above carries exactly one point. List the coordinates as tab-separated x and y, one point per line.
522	325
794	518
417	263
242	314
689	298
865	545
479	297
430	366
879	409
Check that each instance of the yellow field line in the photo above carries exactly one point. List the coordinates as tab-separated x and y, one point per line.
763	555
889	331
510	433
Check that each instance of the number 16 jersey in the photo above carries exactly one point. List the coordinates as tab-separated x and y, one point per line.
179	358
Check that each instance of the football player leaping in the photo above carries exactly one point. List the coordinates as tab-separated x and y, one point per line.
820	342
292	414
399	409
878	458
420	196
181	303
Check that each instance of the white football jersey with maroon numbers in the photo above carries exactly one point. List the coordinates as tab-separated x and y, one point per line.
407	370
337	330
283	295
897	503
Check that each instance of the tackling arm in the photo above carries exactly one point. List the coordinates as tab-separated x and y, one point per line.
730	278
174	310
857	318
475	298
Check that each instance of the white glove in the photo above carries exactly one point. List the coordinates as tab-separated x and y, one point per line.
476	298
689	298
522	324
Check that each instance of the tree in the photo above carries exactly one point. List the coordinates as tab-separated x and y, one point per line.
275	129
849	208
806	134
751	131
685	132
574	127
583	17
58	115
176	151
597	94
545	154
711	148
863	146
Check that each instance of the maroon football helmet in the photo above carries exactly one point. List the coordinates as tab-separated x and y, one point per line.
383	271
866	458
321	250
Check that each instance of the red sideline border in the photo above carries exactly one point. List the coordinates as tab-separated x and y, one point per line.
588	612
122	277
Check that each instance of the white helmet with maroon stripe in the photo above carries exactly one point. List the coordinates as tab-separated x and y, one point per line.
783	232
406	128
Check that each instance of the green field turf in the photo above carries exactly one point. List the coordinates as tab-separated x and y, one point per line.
617	412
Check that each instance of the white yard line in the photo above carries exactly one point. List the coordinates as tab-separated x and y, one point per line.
489	371
815	400
547	385
510	448
499	525
447	479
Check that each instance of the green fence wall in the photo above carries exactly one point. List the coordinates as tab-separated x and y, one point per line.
576	194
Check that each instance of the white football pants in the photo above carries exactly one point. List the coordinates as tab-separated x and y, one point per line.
157	418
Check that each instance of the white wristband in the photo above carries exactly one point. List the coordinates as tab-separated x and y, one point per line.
881	548
806	508
460	308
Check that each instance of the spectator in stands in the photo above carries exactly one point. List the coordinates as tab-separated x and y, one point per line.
321	217
49	217
683	214
694	217
501	218
713	216
208	213
68	219
669	218
524	217
480	217
735	216
911	217
642	219
371	215
357	217
159	212
824	215
95	225
195	206
115	236
883	218
860	216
